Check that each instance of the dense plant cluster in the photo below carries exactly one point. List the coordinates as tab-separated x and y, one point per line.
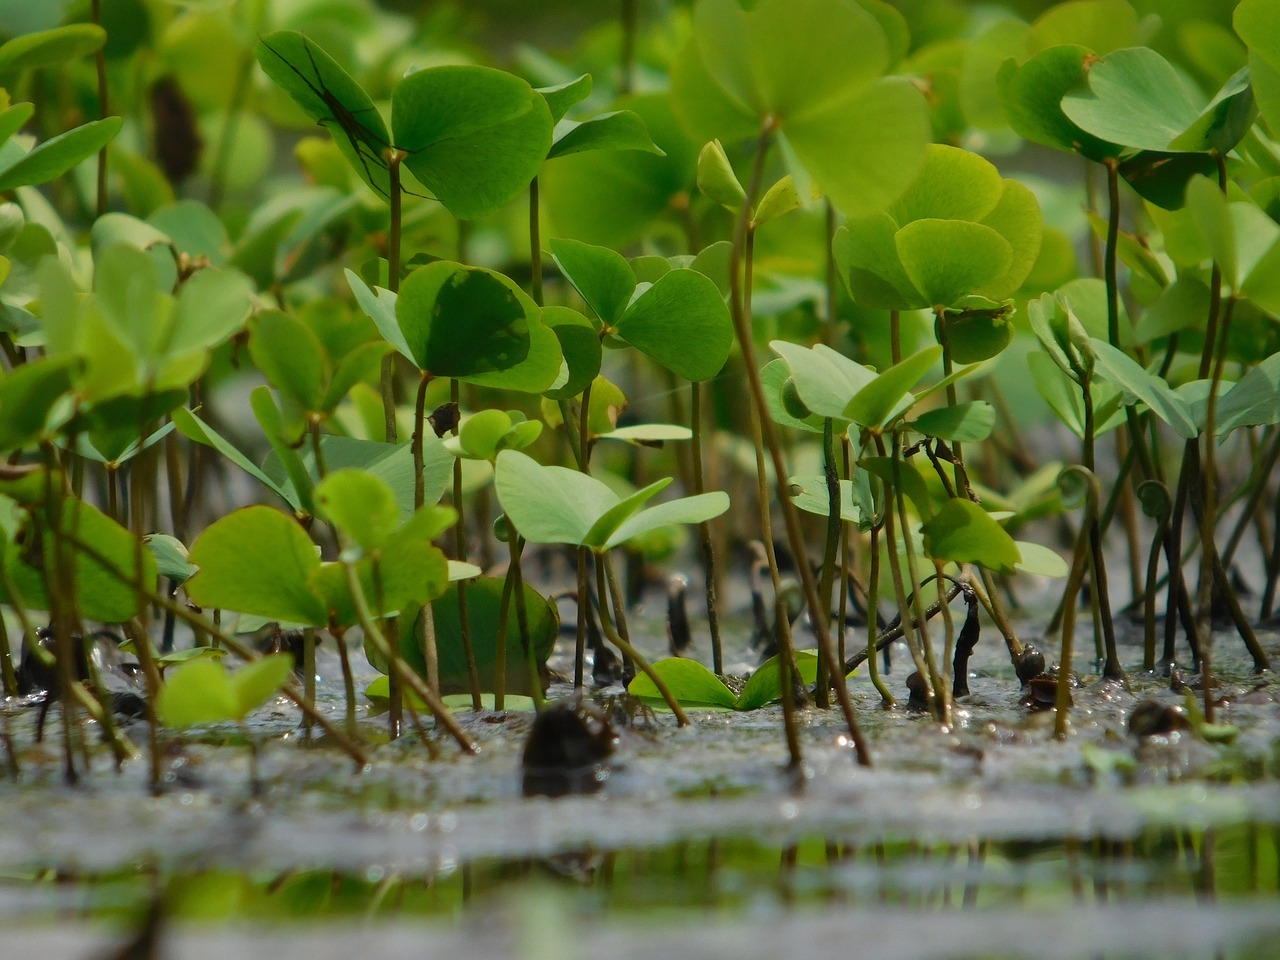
779	251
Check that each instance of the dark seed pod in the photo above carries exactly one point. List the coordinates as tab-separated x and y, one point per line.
1041	693
176	140
679	636
1030	664
917	693
568	750
1150	718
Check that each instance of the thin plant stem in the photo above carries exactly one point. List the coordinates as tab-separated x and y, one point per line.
1149	594
580	644
104	109
198	623
941	689
742	329
1080	562
535	242
604	590
388	371
704	530
460	553
1101	586
396	662
887	700
834	527
522	623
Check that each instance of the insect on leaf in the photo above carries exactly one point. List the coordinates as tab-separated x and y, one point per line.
331	97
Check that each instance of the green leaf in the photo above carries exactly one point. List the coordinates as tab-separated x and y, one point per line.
954	184
787	63
965	422
1254	400
1135	97
484	599
883	398
475	136
55	47
360	505
690	683
764	686
459	320
195	693
257	560
51	159
1126	373
1016	217
602	276
103	581
810	494
212	305
172	559
195	429
1098	25
580	346
380	307
1040	561
253	683
716	178
1032	95
1258	24
963	532
330	96
564	95
682	322
977	333
616	130
779	200
695	509
825	379
290	356
549	504
27	397
949	259
608	521
867	256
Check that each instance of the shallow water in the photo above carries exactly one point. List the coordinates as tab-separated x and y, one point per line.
989	840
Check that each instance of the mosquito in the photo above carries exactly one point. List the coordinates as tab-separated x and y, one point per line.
367	145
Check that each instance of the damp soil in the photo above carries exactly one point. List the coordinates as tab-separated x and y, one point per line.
990	840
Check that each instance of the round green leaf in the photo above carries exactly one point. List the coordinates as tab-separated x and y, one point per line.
253	683
332	97
965	422
1032	95
475	136
692	685
953	184
459	320
484	602
963	532
54	47
974	335
360	505
868	260
196	692
51	159
601	275
1135	97
949	259
257	560
764	686
580	346
290	356
682	322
